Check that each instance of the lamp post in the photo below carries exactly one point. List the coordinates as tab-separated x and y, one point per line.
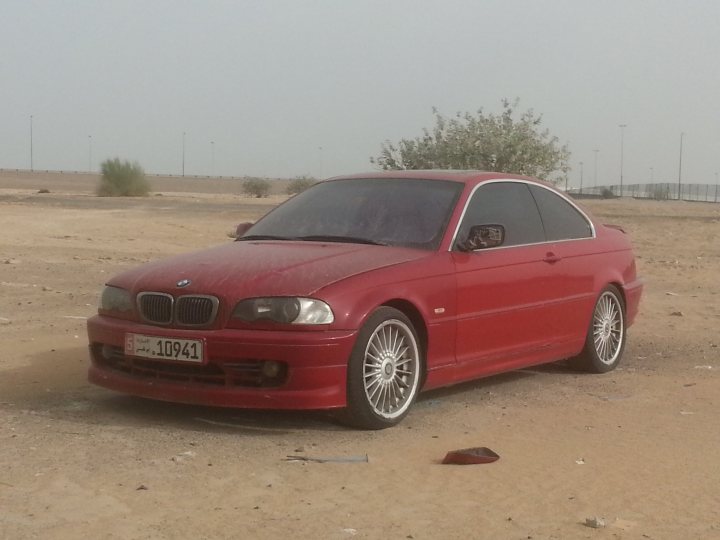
183	154
89	153
622	154
31	143
320	155
596	162
581	177
680	167
212	156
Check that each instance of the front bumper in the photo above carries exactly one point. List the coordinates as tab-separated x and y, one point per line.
316	366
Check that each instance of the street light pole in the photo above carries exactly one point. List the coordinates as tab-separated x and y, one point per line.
183	155
680	168
31	143
320	154
581	177
212	153
596	162
622	154
89	153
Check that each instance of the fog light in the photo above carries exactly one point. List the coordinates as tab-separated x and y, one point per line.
106	352
271	369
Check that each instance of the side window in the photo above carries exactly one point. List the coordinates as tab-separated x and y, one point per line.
509	204
562	221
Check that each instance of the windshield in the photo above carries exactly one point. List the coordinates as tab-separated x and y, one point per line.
396	212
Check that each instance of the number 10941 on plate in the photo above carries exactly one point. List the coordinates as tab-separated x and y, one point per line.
162	348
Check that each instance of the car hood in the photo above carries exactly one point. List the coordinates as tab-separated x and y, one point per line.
262	268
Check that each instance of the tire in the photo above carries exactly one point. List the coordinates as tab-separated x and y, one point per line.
605	341
384	371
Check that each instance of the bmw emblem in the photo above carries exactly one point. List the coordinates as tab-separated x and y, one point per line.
183	283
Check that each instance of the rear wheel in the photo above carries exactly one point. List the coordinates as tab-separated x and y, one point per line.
605	340
384	371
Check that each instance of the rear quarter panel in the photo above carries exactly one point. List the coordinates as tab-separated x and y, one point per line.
589	266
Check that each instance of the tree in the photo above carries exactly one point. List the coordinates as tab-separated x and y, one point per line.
300	184
483	141
122	179
256	187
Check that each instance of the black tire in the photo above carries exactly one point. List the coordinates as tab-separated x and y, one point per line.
384	371
605	341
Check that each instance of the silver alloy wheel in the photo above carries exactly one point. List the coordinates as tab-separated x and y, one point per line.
391	366
608	328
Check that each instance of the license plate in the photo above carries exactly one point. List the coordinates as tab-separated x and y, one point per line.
161	348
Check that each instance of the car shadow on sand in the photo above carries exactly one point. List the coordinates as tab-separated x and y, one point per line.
54	384
462	391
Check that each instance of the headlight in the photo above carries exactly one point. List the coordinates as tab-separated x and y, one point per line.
116	299
284	310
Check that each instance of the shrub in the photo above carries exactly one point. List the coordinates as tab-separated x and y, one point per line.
300	184
256	187
607	193
122	179
511	141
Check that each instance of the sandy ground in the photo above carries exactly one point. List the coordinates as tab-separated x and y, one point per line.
639	447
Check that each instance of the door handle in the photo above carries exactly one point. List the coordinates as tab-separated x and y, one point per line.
551	258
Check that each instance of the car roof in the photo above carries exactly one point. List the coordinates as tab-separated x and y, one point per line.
466	177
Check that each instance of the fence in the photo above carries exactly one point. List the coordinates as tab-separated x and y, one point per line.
658	192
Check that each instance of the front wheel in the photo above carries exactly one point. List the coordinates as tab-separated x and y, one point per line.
384	371
605	340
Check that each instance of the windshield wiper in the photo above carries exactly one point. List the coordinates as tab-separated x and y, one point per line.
263	237
337	238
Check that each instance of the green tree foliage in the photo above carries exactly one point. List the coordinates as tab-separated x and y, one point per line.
122	179
256	187
300	184
509	142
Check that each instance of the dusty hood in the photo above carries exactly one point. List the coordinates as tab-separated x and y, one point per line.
262	268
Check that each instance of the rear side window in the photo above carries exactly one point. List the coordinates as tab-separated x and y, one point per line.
561	220
509	204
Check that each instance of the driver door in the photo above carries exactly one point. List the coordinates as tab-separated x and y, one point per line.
507	296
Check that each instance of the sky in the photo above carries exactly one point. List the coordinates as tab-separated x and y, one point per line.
282	88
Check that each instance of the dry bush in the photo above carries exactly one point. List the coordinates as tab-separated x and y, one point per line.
122	179
256	187
300	184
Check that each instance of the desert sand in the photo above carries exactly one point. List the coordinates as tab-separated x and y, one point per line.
638	447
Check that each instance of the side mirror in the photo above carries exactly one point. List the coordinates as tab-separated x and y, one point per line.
482	237
242	228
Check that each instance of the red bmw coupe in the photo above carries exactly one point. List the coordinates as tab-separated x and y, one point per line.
364	290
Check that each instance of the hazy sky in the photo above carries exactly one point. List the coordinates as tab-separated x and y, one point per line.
285	88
